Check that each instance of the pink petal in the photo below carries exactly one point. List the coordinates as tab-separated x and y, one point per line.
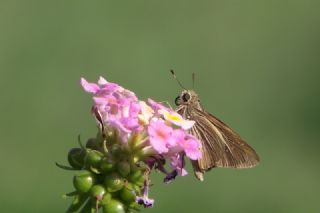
192	149
187	124
159	134
106	99
102	81
177	136
110	87
155	105
117	124
178	163
158	145
89	87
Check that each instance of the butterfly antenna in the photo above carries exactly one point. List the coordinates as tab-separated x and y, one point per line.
175	77
193	79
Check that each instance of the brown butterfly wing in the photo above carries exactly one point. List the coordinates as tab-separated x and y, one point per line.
221	146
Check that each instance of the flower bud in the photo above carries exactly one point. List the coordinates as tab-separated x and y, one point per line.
113	206
127	195
97	191
135	206
106	198
113	182
112	136
136	188
106	165
123	168
116	150
135	141
135	175
93	158
93	143
76	158
83	181
140	181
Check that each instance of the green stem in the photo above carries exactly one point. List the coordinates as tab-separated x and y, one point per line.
88	207
77	203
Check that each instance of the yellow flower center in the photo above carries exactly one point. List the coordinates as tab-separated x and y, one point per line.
173	117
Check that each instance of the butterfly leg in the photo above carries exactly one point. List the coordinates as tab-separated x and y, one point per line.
197	171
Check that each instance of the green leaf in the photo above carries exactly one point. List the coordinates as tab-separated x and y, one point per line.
66	167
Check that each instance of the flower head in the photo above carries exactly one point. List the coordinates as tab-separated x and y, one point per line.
119	108
147	133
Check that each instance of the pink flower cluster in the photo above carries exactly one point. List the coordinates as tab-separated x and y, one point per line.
165	130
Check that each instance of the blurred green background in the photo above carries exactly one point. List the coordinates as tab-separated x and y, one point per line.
256	65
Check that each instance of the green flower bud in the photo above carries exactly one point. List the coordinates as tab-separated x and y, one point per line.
123	168
135	140
112	136
116	150
93	158
106	165
135	159
93	144
97	191
135	206
127	195
76	158
135	175
135	188
140	181
138	155
83	181
113	206
106	198
113	182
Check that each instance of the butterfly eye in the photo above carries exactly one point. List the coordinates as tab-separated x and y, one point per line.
185	97
177	101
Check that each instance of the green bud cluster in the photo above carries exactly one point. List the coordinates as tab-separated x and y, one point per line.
110	175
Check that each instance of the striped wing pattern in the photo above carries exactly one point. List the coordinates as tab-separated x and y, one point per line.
221	146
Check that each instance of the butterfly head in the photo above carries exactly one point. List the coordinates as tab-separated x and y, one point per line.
187	97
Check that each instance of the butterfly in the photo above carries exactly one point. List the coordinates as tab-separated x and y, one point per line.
221	146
